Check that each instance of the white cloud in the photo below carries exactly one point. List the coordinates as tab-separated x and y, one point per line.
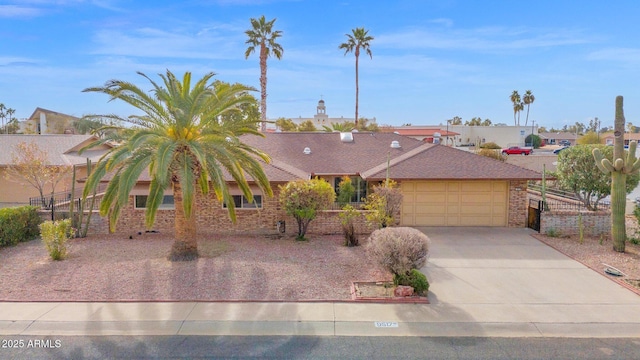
16	11
629	55
151	42
481	39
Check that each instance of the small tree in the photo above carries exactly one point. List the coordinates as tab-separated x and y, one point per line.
302	199
345	191
589	138
286	125
577	172
31	164
307	125
536	141
384	203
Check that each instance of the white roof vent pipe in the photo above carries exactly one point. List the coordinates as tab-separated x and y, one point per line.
395	144
346	137
306	151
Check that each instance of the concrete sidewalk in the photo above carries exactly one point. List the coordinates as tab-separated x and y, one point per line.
484	282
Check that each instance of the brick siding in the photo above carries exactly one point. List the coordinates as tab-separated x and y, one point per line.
517	216
594	223
212	217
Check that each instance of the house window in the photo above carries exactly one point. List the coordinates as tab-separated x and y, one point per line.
241	202
360	188
167	202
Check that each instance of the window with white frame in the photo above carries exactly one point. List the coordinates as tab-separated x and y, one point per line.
241	202
141	202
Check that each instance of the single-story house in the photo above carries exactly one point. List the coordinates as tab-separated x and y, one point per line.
554	138
61	150
441	185
433	135
608	138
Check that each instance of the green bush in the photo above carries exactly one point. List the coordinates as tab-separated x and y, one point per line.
18	224
398	249
55	235
415	279
552	232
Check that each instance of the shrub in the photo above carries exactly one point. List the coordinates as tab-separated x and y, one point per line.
302	199
55	235
384	203
18	224
415	279
347	217
398	250
552	232
490	153
490	145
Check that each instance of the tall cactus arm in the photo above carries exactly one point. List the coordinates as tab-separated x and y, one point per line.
602	163
632	164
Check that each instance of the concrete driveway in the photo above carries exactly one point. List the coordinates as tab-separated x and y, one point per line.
504	276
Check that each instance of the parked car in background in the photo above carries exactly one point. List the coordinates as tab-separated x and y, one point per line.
564	143
516	150
557	151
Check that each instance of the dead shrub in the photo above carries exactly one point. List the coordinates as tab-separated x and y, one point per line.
398	250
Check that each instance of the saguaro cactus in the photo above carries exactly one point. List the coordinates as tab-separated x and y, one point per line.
619	169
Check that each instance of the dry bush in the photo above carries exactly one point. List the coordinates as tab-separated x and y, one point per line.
399	250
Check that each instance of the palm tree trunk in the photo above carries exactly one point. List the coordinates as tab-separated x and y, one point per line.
185	246
357	87
263	88
526	121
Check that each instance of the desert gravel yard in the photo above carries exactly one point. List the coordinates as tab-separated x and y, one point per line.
114	267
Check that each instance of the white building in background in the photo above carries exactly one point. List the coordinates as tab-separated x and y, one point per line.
504	136
320	119
466	136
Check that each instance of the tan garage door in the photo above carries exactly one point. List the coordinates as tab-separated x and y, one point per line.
454	203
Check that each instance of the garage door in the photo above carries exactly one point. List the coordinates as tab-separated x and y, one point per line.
454	203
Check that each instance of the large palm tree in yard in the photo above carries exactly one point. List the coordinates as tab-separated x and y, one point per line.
185	143
358	39
262	36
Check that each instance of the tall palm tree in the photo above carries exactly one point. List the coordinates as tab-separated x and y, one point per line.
358	39
528	99
262	36
184	143
515	100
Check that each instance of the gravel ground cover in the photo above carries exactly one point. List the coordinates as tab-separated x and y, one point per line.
116	268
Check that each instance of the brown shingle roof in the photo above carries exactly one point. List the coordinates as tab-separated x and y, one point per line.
61	149
439	162
367	156
329	155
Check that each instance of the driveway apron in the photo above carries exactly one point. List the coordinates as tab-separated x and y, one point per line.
504	275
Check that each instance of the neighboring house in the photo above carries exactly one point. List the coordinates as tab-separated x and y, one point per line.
61	150
442	186
432	135
608	138
320	119
465	135
44	121
554	138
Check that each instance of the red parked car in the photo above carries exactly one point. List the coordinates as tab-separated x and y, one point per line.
515	150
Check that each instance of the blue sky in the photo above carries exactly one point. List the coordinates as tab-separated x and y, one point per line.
432	60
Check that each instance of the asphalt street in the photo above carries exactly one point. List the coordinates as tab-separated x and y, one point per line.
306	347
